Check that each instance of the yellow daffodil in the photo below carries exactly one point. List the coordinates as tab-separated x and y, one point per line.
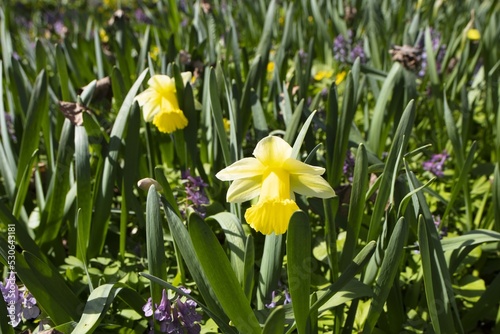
159	103
273	175
473	34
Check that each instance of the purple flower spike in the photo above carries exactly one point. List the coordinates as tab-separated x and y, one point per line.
436	163
20	302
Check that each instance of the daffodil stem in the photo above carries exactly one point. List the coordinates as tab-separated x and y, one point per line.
331	207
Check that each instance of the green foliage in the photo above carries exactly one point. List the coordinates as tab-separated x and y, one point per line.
399	105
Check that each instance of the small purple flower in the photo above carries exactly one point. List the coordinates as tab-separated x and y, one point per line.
274	299
437	47
175	316
346	49
195	192
20	302
348	168
436	163
141	17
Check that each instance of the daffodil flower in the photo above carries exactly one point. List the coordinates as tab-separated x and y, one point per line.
273	175
159	103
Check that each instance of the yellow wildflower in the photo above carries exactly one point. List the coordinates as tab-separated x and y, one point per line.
160	104
323	74
103	35
270	66
227	124
273	175
340	77
473	34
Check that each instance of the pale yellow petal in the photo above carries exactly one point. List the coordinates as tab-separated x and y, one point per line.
161	82
272	151
186	77
150	110
244	168
294	166
243	190
311	185
271	216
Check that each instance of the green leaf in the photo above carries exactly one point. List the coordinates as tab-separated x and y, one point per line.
105	191
185	245
49	288
154	242
99	302
298	247
275	322
83	190
217	112
23	187
388	271
35	115
302	134
221	277
377	121
356	206
235	238
270	268
356	265
388	177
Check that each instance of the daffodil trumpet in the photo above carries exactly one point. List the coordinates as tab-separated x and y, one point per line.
274	176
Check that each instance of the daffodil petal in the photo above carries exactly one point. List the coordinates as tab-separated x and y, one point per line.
311	185
161	82
186	77
272	151
150	110
243	190
244	168
298	167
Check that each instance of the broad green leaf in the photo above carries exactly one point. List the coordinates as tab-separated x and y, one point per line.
298	248
154	242
23	186
221	277
275	322
236	239
83	189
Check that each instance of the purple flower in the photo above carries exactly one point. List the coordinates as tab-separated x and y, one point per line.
436	163
175	316
20	302
348	168
274	299
346	49
436	47
141	17
195	192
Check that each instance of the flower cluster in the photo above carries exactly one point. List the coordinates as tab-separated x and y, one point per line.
177	316
346	49
195	192
438	48
274	175
20	302
435	164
